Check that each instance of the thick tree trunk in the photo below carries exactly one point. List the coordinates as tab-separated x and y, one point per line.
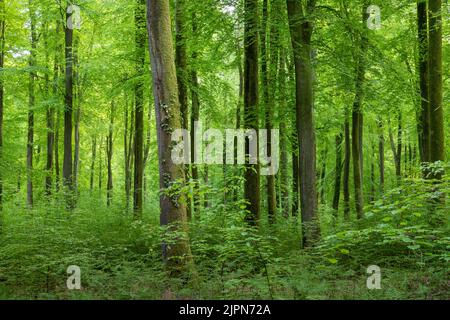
251	113
301	28
31	105
437	146
295	174
139	109
68	158
337	174
168	117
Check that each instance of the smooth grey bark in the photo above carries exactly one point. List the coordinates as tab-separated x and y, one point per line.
168	117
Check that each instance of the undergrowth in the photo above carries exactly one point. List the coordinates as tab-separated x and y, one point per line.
120	257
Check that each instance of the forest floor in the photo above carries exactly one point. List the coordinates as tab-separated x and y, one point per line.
120	258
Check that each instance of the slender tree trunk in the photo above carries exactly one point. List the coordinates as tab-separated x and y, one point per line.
56	73
398	158
301	28
372	176
77	116
381	153
238	118
396	147
424	114
283	137
57	165
93	153
109	153
295	174
31	105
347	160
357	121
139	109
337	174
181	59
128	150
323	174
195	116
50	119
182	74
100	167
437	146
251	107
267	82
68	158
168	117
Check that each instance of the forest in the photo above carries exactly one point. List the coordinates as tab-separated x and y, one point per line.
224	149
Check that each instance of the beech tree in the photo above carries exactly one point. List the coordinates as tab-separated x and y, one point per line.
301	26
168	117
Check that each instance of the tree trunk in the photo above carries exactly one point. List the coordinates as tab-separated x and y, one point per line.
31	105
323	173
357	121
267	85
195	116
50	115
301	33
424	114
68	158
109	153
347	160
182	74
93	153
398	158
337	174
238	118
100	166
381	153
77	116
283	137
372	176
139	109
437	146
251	107
168	117
181	59
128	150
